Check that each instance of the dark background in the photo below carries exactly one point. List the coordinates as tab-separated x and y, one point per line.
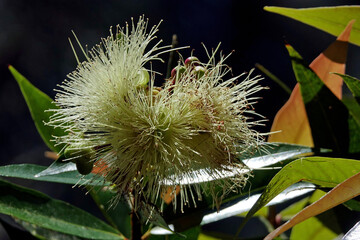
33	38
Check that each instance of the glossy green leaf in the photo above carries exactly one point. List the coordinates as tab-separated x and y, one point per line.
343	192
203	236
353	84
325	172
37	208
243	205
191	233
329	19
294	208
28	171
354	110
38	102
43	233
330	121
265	165
272	158
118	215
314	229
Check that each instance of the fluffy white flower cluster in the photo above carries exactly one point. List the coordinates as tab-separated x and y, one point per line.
149	140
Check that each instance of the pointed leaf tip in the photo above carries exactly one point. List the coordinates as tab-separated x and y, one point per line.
38	103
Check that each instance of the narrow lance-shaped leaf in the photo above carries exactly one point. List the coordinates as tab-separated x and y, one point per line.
291	120
353	84
37	208
346	190
326	172
29	171
354	112
329	19
323	226
38	102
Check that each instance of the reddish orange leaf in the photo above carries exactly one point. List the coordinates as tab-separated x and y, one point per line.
341	193
291	119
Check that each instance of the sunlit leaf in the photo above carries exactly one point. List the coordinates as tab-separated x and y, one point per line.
37	208
326	172
314	229
327	115
57	167
292	119
203	236
29	171
264	166
323	226
346	190
248	201
269	154
329	19
38	102
191	233
353	84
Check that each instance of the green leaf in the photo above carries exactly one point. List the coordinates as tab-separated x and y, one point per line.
28	171
323	226
43	233
247	201
191	233
119	215
293	209
273	155
343	192
328	116
353	84
203	236
37	208
329	19
314	228
353	205
354	109
38	102
325	172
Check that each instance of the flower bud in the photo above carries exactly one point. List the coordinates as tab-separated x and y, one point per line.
81	157
177	72
84	165
143	78
199	71
192	61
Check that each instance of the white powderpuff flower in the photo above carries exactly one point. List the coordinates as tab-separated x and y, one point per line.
153	141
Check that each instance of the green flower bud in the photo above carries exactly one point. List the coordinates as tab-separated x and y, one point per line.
192	61
177	72
82	157
84	165
199	71
143	78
